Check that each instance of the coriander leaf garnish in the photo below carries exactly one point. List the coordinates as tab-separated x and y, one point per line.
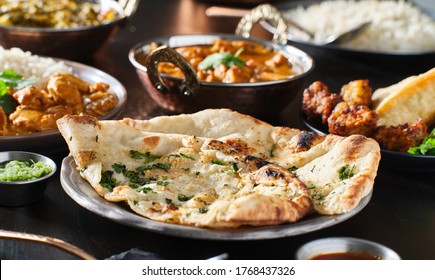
107	181
346	171
215	59
182	197
218	162
427	146
118	167
147	156
10	79
234	167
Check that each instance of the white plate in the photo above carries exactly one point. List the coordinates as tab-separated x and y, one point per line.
83	193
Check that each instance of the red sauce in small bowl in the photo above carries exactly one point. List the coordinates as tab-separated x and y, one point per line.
345	256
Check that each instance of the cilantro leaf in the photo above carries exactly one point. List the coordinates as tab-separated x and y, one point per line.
427	146
215	59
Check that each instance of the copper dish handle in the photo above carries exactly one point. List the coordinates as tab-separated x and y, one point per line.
47	240
167	54
264	12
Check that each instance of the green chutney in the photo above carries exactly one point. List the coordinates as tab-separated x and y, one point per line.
16	170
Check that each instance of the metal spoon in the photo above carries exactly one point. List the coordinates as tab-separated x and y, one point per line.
217	11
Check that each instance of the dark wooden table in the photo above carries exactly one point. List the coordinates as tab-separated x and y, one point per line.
400	215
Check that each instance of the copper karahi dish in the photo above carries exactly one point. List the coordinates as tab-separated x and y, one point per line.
32	27
197	91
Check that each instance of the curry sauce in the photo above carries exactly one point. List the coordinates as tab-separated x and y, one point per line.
232	62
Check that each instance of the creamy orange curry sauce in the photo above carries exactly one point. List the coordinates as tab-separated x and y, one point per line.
232	62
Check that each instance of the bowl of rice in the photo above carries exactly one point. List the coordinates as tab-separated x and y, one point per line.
39	69
397	27
69	29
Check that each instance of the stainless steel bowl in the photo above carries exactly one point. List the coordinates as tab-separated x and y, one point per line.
175	95
345	245
71	43
19	193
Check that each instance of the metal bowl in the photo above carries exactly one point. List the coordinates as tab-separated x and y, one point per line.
175	95
19	193
332	245
71	43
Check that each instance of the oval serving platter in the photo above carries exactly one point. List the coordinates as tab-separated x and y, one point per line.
51	140
83	194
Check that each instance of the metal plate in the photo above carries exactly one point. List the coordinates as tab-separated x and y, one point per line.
83	193
52	139
289	5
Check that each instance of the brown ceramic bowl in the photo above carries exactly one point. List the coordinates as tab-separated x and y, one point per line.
71	43
175	95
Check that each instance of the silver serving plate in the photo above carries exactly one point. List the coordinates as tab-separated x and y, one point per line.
51	140
83	193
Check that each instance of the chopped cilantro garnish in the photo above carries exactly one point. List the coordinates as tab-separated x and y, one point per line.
118	167
182	197
346	172
215	59
427	146
218	162
107	181
147	156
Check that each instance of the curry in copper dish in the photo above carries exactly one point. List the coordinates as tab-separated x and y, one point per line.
232	62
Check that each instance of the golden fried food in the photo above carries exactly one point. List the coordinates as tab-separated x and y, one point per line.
349	118
401	137
317	101
358	91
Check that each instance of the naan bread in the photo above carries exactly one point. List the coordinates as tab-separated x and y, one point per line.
407	101
219	168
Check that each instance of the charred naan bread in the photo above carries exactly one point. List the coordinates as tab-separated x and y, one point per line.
218	168
407	101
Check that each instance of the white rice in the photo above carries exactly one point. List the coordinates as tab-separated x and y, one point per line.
397	26
31	66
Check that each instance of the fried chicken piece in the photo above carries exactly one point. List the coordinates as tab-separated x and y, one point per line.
349	118
358	91
401	137
317	101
